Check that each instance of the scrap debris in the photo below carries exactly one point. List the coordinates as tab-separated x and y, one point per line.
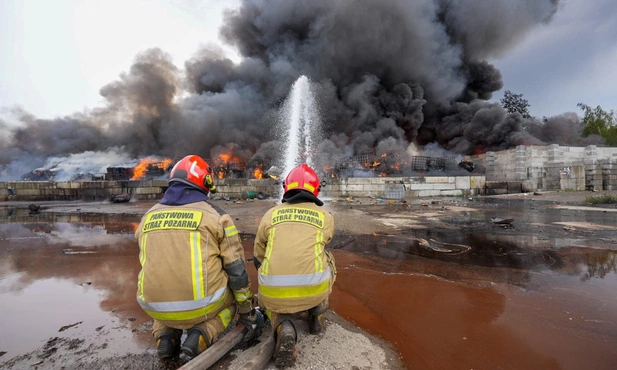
501	221
437	246
69	326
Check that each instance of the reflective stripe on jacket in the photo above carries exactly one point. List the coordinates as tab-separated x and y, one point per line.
192	263
296	271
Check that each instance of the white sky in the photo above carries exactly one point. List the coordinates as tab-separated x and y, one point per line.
55	55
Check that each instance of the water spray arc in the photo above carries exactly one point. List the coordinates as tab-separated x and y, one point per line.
301	126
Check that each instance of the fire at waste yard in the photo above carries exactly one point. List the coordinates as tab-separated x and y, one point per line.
459	231
227	167
426	92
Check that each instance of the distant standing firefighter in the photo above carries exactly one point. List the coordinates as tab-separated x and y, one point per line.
193	273
296	273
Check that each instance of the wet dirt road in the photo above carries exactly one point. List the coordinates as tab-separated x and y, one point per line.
449	288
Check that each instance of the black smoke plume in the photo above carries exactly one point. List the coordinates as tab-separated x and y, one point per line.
389	74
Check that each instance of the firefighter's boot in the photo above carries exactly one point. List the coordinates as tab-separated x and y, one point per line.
195	343
315	323
285	351
168	345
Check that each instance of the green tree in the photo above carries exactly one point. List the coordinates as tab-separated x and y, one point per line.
515	103
597	121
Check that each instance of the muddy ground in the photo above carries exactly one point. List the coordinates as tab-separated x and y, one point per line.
508	282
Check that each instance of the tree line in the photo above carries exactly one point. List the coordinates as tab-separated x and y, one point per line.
595	121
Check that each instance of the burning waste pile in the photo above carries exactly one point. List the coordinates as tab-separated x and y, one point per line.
396	79
369	165
96	166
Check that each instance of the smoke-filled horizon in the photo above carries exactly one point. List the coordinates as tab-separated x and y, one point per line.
389	75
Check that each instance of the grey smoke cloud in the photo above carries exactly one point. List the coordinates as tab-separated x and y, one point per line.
388	73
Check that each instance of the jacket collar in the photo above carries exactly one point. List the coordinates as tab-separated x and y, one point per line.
300	196
179	194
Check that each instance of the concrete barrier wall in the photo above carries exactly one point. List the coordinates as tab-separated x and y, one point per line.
81	190
379	187
141	190
553	167
405	187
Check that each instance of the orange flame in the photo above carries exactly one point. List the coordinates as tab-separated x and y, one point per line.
226	162
258	172
225	157
142	167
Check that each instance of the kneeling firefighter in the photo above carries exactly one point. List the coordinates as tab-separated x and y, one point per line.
193	273
296	273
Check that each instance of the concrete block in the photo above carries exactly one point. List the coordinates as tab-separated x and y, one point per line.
429	193
96	184
352	188
452	193
415	180
262	182
515	187
497	185
477	182
147	190
449	186
463	182
421	187
357	180
411	194
378	180
376	188
28	192
490	191
135	184
439	179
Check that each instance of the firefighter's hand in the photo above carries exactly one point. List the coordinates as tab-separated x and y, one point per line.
249	320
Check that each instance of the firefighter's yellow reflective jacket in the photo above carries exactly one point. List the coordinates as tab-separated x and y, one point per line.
295	271
192	264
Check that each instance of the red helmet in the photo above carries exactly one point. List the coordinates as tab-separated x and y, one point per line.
194	171
302	178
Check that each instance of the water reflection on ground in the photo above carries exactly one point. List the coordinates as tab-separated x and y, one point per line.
497	302
57	270
517	252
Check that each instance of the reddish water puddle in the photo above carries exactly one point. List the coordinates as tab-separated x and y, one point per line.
506	307
61	270
501	306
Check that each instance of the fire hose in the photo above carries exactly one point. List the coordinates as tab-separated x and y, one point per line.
219	349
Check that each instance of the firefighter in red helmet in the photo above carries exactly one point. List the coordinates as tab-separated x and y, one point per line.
296	272
193	273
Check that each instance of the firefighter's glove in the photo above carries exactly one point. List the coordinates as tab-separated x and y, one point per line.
249	320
